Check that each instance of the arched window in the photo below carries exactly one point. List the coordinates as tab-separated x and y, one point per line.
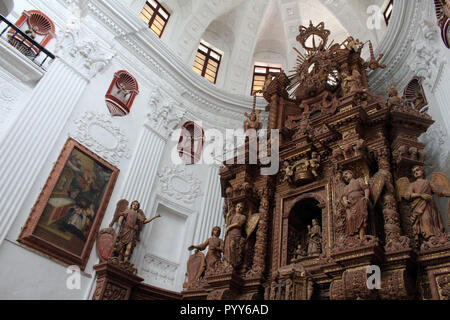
35	25
121	94
190	145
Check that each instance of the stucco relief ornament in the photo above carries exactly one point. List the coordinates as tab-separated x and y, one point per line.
165	114
156	269
110	142
427	59
8	97
178	183
82	50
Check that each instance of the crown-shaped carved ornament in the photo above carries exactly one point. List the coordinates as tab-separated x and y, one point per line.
313	38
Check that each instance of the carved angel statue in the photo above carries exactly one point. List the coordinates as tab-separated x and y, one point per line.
425	218
216	245
234	237
235	240
130	222
355	200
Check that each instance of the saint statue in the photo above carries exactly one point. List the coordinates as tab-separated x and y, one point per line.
130	222
314	238
31	32
234	237
352	83
215	244
122	93
394	100
356	200
426	220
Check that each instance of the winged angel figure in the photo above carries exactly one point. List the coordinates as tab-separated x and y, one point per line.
235	240
425	217
130	222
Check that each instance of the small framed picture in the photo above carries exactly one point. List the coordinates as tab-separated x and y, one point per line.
65	220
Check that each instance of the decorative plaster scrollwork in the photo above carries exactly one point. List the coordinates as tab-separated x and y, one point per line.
178	183
165	114
427	59
158	270
111	145
82	50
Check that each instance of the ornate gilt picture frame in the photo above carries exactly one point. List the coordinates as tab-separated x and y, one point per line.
65	220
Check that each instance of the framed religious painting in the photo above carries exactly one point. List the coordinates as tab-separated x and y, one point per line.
65	220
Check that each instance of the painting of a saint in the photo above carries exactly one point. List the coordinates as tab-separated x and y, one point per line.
78	197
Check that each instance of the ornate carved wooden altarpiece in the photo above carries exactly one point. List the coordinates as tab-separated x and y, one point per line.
339	203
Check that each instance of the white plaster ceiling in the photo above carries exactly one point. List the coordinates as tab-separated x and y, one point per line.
250	31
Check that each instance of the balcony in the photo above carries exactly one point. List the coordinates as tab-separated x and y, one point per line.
21	55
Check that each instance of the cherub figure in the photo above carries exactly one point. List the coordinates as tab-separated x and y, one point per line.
253	121
288	172
314	163
216	246
130	222
299	253
253	118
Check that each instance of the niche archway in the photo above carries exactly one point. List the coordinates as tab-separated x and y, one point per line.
37	26
121	93
300	217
